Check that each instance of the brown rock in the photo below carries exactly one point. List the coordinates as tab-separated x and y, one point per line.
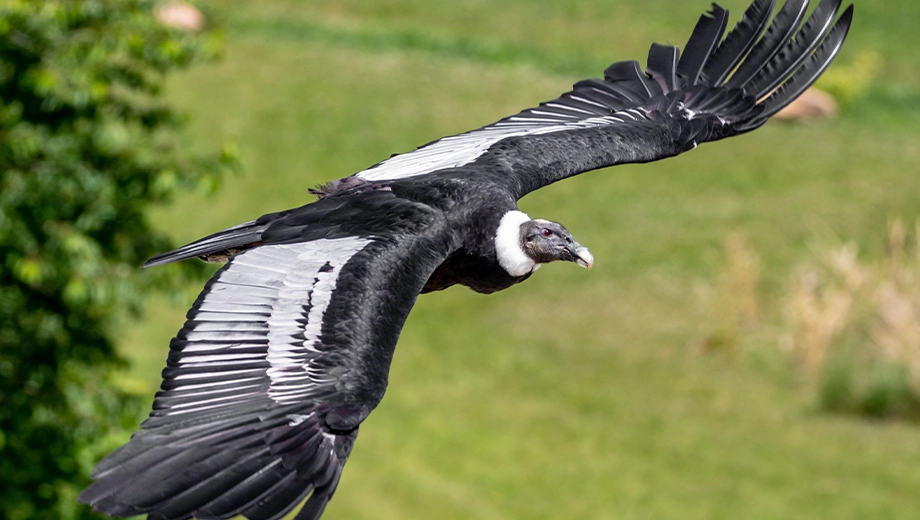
812	104
181	16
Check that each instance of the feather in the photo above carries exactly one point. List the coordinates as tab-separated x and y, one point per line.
191	499
599	92
629	75
314	507
675	101
616	90
778	33
256	486
159	474
279	502
738	42
703	40
715	102
817	63
796	51
662	65
229	240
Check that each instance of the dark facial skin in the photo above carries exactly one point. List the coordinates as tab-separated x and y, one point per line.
546	241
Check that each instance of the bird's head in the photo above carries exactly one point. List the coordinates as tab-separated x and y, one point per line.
523	244
547	241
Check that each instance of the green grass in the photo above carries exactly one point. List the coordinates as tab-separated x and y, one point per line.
577	394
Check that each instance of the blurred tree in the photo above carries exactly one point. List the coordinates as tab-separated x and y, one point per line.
86	146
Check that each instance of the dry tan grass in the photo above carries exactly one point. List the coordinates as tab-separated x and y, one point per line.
733	302
897	331
821	306
852	326
842	300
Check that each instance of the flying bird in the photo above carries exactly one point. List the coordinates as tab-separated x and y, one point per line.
288	347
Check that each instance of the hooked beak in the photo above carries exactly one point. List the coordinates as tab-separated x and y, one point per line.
583	257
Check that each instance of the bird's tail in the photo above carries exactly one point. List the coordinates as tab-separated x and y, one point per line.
217	246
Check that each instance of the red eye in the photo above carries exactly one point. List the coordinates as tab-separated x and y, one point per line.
547	233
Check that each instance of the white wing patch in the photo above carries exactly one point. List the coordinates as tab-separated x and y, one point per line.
462	149
262	316
305	294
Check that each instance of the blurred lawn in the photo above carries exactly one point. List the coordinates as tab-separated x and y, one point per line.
578	394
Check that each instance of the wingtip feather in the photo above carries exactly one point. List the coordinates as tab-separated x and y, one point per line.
701	44
779	30
739	41
816	64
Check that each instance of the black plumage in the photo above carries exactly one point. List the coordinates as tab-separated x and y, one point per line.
702	43
288	347
778	33
738	42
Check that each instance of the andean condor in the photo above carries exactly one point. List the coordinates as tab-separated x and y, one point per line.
287	349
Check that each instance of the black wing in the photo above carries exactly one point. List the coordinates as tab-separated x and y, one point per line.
716	89
283	355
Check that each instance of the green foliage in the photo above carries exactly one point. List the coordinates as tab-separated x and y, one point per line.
850	81
880	392
86	147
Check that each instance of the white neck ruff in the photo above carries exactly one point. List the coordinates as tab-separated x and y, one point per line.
508	249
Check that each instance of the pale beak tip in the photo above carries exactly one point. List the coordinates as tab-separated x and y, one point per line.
585	258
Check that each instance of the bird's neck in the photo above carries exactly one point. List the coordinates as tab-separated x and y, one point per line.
508	250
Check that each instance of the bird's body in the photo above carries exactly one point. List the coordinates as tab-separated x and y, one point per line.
288	348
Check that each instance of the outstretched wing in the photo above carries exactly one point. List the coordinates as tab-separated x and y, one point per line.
716	89
283	355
